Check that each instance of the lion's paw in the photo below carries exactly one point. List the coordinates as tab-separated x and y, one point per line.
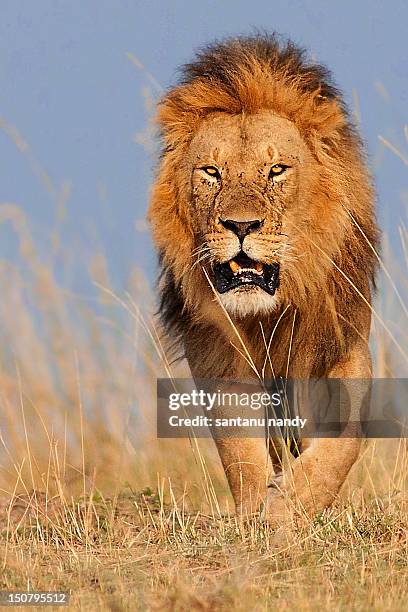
276	510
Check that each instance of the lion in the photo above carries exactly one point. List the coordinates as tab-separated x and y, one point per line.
263	214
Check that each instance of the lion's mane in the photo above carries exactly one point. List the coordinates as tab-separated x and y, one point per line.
246	75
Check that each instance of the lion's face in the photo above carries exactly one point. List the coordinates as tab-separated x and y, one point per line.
252	190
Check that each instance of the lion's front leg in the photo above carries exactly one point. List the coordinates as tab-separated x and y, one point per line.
312	481
248	469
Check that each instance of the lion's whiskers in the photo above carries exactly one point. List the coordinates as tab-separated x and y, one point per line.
290	256
200	249
204	257
201	253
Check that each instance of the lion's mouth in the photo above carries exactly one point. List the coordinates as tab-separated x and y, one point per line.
242	271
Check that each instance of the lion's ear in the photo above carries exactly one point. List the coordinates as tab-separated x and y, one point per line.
178	114
329	116
183	108
173	122
325	132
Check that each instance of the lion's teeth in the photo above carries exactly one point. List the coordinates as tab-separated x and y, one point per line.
243	270
236	268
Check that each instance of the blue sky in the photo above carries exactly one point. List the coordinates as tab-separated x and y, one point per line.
70	88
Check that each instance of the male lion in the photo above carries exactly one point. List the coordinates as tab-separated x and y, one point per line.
263	216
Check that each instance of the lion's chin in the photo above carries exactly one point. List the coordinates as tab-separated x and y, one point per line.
248	301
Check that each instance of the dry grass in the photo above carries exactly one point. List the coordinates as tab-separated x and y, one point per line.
93	503
152	550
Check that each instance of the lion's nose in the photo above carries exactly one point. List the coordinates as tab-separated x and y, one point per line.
242	228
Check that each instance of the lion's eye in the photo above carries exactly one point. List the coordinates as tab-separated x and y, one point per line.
211	171
277	170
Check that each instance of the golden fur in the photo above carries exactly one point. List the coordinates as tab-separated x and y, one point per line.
318	322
